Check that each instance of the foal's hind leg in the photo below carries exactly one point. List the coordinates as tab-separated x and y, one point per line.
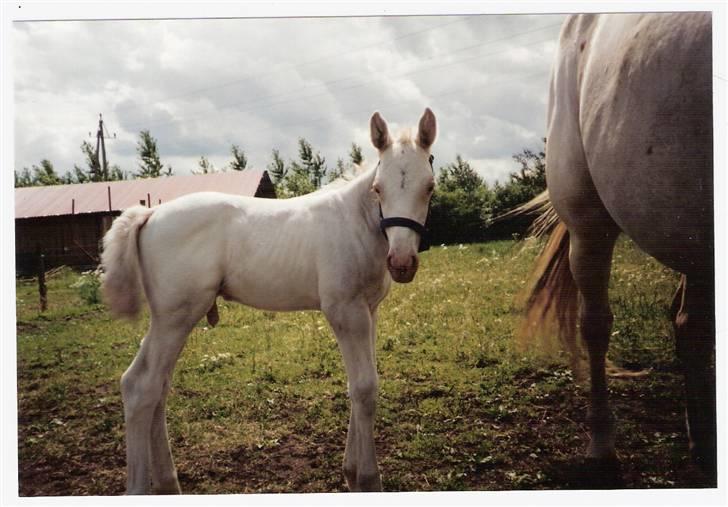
695	337
144	388
590	260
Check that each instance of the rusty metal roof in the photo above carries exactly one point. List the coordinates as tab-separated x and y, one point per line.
57	200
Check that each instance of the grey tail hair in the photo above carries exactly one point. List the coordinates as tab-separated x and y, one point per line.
551	298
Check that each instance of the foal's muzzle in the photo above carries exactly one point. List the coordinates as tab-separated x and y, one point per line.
403	273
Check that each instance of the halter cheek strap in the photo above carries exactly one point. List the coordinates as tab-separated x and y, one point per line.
419	228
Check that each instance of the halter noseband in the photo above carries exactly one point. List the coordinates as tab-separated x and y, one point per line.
419	228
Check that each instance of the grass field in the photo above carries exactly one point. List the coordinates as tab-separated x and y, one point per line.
259	403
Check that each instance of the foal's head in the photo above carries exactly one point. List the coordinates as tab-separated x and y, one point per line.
404	183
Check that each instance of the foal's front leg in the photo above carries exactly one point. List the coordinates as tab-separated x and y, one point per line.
352	323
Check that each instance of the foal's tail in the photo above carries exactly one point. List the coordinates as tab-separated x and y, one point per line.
551	299
120	262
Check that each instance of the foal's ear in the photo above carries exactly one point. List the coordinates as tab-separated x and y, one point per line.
427	130
379	132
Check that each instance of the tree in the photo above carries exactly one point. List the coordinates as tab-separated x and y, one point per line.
355	154
277	168
312	166
297	183
150	166
24	178
206	166
458	204
45	174
301	176
338	170
79	175
240	161
459	175
94	171
524	184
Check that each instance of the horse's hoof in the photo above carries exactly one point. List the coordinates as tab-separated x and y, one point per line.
705	459
601	473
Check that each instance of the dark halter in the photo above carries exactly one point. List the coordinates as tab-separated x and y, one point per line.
419	228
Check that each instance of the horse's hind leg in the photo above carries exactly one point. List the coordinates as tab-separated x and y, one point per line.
590	261
695	339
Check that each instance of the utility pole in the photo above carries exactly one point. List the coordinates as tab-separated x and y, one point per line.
102	134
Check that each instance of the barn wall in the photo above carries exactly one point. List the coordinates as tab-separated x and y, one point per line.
71	240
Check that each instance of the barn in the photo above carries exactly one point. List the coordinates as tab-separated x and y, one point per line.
67	222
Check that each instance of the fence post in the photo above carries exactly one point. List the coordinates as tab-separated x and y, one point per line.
42	289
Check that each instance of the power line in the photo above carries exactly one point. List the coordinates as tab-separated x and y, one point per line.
263	99
396	106
303	64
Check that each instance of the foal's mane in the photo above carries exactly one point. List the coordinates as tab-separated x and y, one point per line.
404	137
348	175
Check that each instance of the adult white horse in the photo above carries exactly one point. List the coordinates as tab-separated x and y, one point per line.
630	149
334	251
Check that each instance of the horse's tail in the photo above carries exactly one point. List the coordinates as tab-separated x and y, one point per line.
120	262
551	299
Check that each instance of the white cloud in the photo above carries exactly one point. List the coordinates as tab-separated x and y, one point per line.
201	85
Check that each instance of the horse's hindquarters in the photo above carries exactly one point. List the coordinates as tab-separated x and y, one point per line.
646	122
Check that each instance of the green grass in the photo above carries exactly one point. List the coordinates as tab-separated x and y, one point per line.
259	403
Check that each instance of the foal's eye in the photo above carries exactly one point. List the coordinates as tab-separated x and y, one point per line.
430	188
376	189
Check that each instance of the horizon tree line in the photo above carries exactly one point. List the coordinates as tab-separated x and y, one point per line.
462	208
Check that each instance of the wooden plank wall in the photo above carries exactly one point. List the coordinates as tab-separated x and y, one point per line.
71	240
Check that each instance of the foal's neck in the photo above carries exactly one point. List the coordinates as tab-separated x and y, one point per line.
358	194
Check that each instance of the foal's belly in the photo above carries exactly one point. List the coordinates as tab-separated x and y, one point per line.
267	290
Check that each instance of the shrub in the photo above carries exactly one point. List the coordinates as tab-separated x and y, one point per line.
88	285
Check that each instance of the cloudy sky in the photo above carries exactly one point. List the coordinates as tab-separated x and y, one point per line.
200	86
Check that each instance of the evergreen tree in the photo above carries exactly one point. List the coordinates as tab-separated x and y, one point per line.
240	161
355	154
206	166
277	168
338	170
94	170
313	166
150	165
